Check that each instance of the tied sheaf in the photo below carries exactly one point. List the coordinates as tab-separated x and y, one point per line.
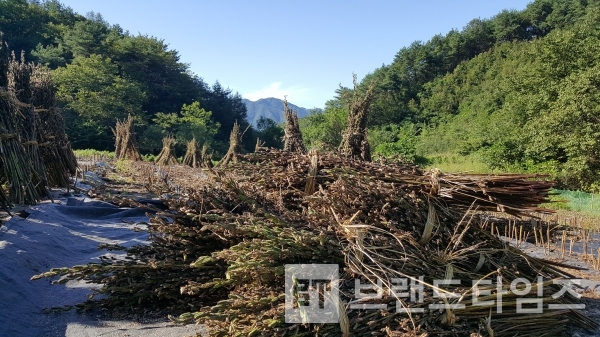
35	150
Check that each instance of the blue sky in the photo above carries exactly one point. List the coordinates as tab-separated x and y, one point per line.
303	49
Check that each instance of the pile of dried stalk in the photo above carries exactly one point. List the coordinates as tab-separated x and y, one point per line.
35	150
167	154
55	146
125	142
17	169
292	139
217	255
194	156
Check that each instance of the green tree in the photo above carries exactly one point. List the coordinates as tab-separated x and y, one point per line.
191	122
95	97
395	141
510	25
50	56
23	25
323	129
87	37
227	108
269	132
167	82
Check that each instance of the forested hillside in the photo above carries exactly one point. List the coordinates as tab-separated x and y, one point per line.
516	92
105	73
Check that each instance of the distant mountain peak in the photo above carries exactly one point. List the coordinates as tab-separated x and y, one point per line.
270	108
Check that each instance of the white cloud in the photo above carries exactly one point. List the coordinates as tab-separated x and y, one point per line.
276	89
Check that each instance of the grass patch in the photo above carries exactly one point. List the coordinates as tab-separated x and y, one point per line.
88	154
451	162
124	170
91	153
149	157
576	208
576	201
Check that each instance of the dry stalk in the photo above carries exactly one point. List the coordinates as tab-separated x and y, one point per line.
125	142
235	146
313	169
167	157
354	140
193	155
292	139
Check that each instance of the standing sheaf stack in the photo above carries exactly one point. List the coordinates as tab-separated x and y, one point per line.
354	140
167	155
293	137
193	155
125	143
35	148
54	144
235	147
16	167
19	81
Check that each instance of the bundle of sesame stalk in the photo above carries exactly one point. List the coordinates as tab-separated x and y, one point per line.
54	144
17	169
28	121
35	151
193	155
167	154
125	142
217	256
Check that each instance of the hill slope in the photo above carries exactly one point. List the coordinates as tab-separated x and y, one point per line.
518	92
103	74
271	108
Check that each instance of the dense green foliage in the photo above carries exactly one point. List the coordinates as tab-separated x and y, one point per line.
270	133
525	106
323	129
192	122
104	74
94	97
517	92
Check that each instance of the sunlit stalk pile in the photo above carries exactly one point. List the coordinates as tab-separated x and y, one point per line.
217	256
24	169
17	169
235	146
54	144
28	123
354	139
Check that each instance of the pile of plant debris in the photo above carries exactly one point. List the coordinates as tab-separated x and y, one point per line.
35	152
217	256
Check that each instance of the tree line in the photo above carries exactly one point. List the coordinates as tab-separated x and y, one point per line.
104	74
517	92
